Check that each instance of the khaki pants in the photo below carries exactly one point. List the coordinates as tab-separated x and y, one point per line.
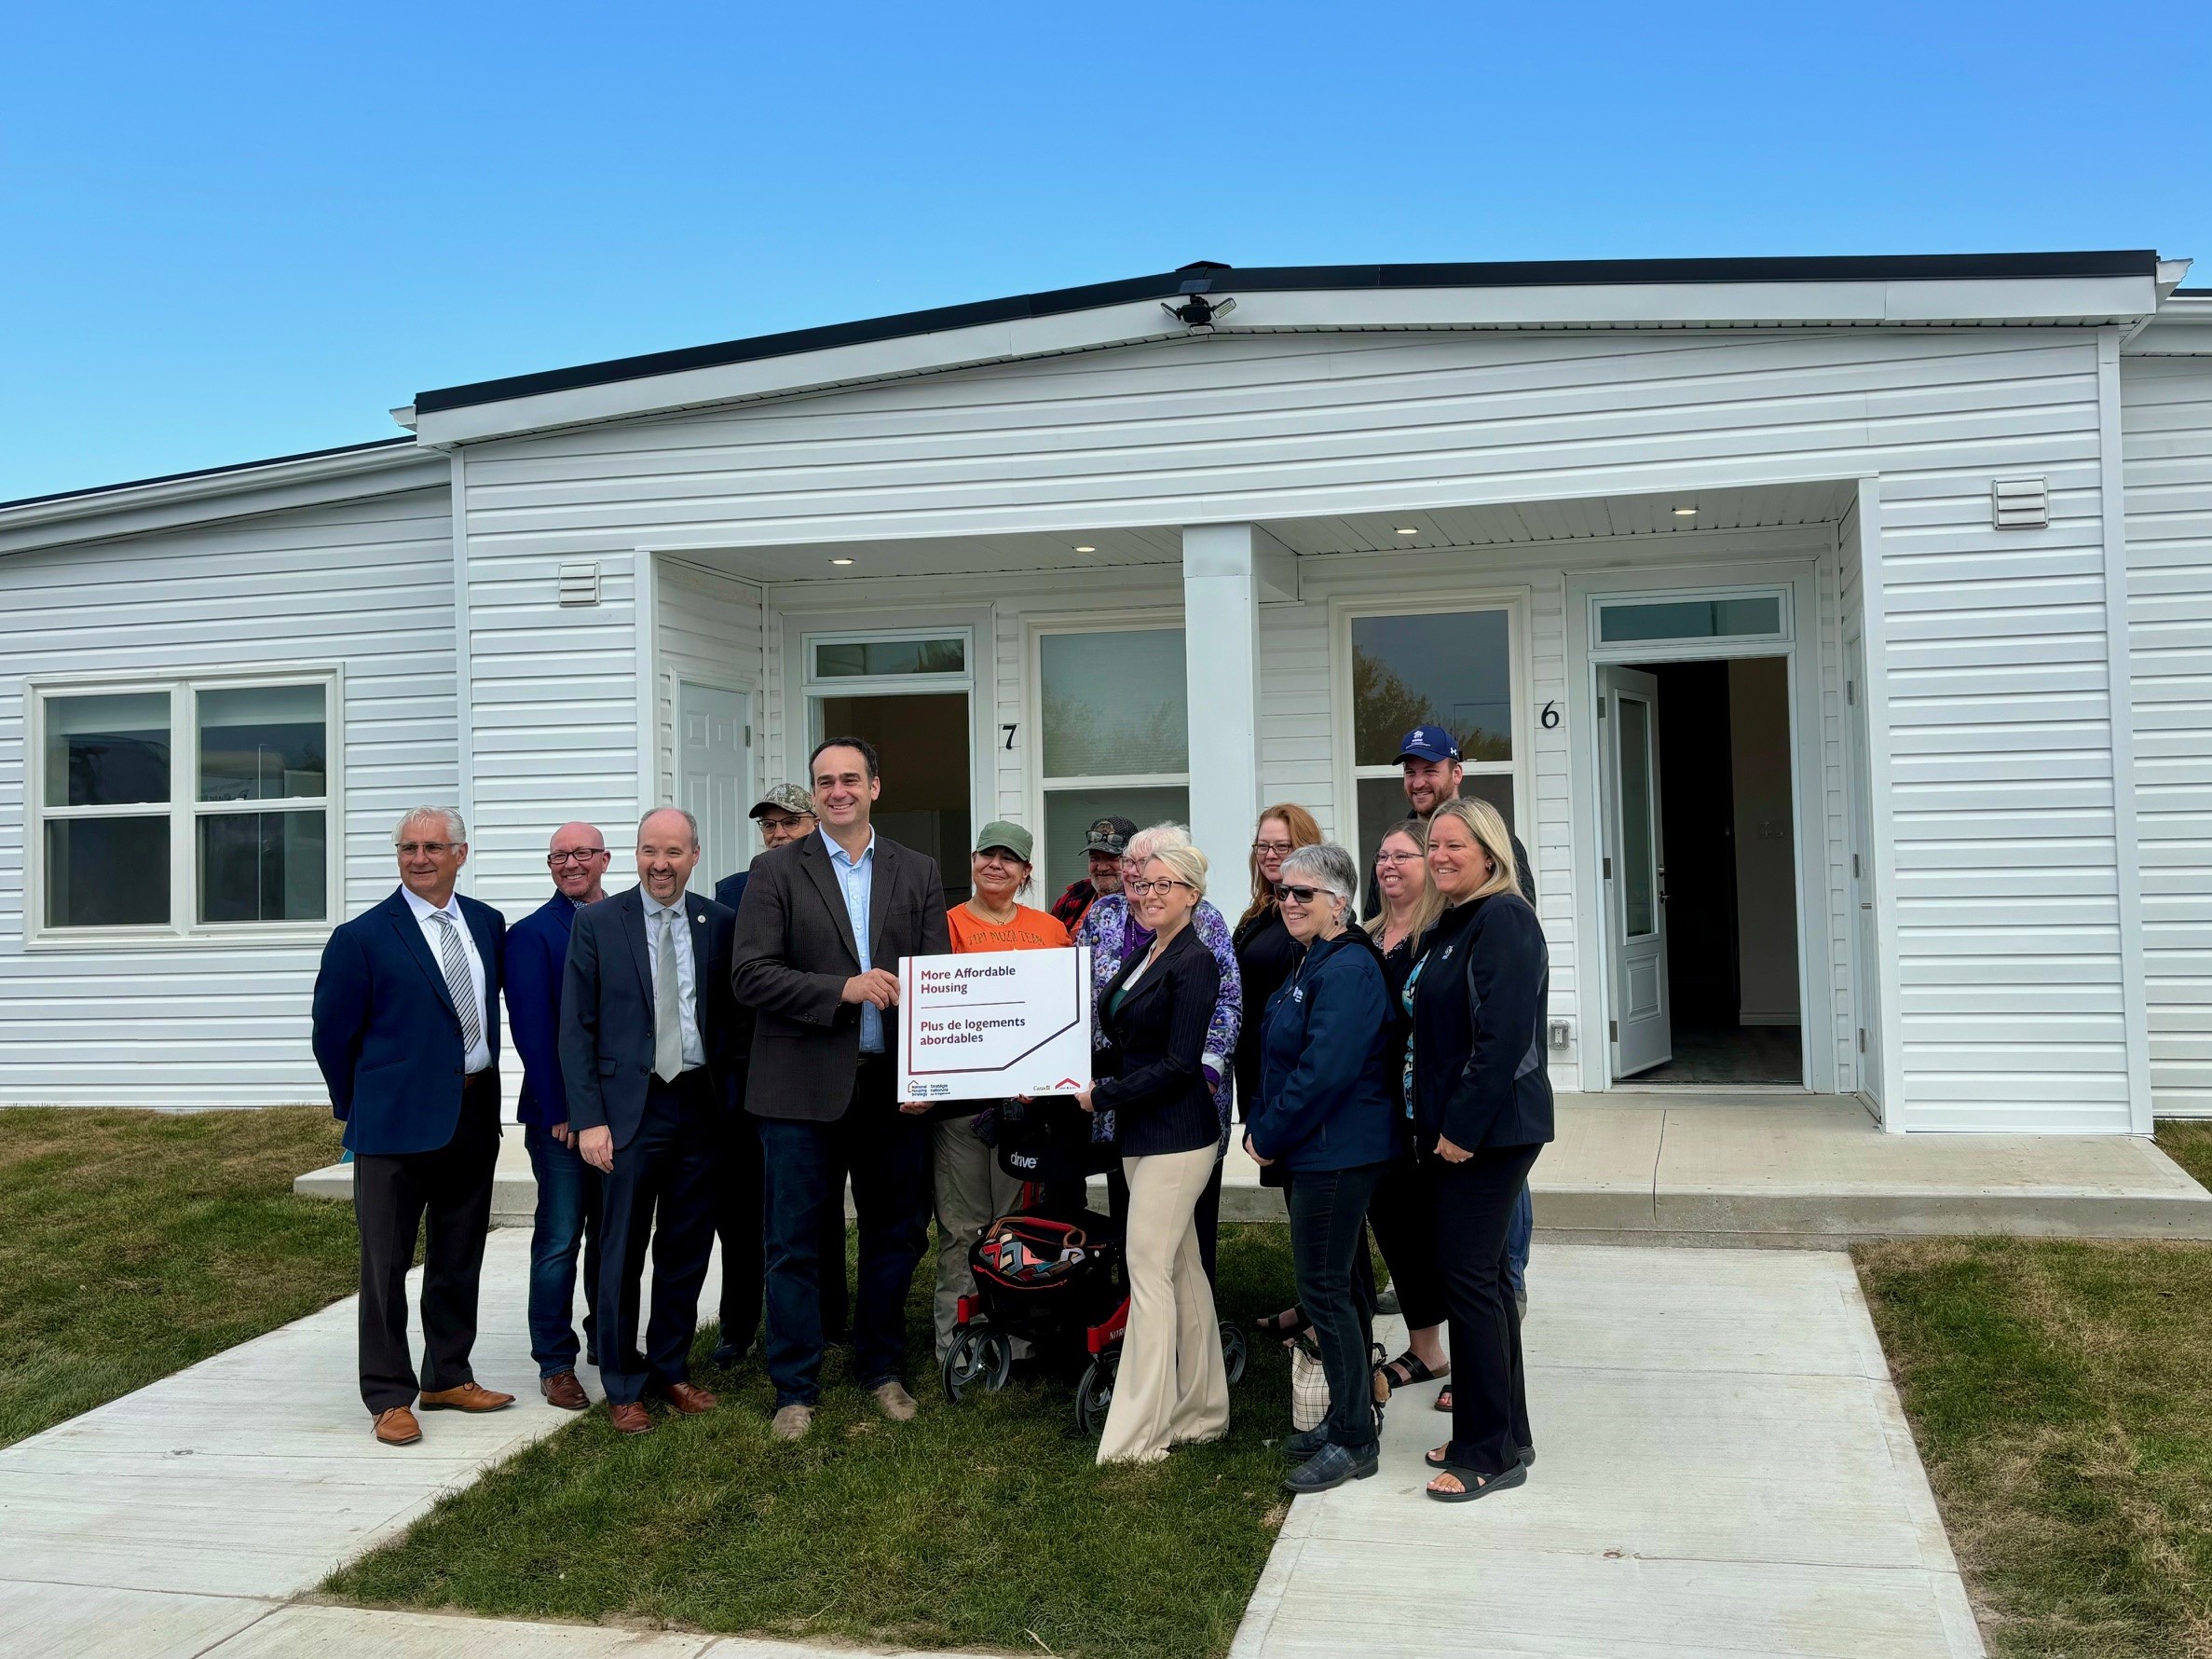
1171	1387
972	1193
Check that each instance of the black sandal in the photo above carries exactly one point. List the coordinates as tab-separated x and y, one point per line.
1483	1485
1286	1325
1404	1372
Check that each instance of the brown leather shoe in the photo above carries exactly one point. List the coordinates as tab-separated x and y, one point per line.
629	1419
561	1389
398	1426
467	1397
689	1398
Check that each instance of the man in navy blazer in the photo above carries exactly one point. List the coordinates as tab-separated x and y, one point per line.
649	1058
567	1221
783	814
406	1031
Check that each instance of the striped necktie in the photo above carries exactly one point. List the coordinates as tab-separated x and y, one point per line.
458	982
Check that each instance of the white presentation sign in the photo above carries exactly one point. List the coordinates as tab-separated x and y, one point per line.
994	1024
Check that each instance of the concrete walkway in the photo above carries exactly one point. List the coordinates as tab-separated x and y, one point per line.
1723	1469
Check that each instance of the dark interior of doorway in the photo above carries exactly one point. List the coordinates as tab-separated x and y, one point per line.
921	740
1727	825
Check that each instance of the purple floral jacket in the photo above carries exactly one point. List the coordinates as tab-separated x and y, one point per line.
1114	937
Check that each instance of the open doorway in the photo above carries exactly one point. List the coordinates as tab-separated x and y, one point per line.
921	739
1701	874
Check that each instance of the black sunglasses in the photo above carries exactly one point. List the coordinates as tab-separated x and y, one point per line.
1284	893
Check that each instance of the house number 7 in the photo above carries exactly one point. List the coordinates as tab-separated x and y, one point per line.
1009	732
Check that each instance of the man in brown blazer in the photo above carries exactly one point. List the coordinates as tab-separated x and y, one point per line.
821	931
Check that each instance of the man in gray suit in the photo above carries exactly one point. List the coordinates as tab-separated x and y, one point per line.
823	926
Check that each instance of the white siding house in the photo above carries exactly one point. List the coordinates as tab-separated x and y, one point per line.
1071	553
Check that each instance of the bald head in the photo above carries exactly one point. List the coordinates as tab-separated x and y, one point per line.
667	852
577	858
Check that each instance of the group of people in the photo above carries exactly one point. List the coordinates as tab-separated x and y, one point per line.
696	1068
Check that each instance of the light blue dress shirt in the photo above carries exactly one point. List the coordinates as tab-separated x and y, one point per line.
686	978
856	879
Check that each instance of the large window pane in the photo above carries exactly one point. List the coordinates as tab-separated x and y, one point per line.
1758	616
106	751
261	743
1452	669
1114	702
263	866
1382	803
1069	814
107	872
858	659
1639	873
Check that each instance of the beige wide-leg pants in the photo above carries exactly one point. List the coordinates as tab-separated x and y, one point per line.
1171	1387
972	1193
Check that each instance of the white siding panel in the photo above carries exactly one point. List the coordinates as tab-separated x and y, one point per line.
1988	631
366	584
2167	423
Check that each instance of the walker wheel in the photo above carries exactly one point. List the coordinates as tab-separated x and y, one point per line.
998	1359
1236	1351
967	1361
1094	1394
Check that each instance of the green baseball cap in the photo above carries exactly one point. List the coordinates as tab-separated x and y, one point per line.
1012	838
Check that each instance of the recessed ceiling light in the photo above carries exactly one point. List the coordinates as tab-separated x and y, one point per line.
1086	550
841	561
1407	530
1685	513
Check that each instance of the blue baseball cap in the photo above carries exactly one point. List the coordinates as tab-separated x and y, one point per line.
1429	743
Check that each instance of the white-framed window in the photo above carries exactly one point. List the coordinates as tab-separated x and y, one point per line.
1622	626
167	808
1112	732
1454	663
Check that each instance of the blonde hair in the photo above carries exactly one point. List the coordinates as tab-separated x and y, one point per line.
1184	862
1489	833
1431	904
1304	832
1146	842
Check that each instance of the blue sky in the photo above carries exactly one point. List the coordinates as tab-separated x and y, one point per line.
243	231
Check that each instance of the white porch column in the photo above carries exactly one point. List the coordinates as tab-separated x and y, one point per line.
1226	570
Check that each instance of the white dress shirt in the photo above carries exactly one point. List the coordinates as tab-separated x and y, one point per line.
480	1054
686	978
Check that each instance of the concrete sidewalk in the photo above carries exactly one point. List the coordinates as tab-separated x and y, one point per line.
1723	1468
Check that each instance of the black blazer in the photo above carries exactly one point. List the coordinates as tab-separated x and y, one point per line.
1479	1078
606	1010
794	951
1155	1040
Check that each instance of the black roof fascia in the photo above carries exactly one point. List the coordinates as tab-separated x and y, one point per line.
239	466
1877	268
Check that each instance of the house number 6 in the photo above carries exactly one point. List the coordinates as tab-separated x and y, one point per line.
1550	717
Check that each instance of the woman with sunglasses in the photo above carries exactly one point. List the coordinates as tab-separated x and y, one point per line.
1171	1387
1482	1106
1325	1113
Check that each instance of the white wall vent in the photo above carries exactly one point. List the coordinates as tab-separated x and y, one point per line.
579	585
2019	503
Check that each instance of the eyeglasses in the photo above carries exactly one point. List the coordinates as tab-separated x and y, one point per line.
1271	846
1289	895
1143	889
436	849
1398	857
580	856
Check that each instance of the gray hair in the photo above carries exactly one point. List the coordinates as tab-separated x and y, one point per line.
1149	843
1328	867
456	829
657	811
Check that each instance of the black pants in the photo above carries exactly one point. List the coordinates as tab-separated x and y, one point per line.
660	1193
738	1222
393	1194
887	1154
1328	1237
1403	1216
1474	1211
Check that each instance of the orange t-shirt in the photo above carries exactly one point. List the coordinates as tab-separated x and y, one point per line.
1030	930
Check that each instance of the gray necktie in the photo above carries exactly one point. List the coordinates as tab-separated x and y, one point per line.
668	1015
458	983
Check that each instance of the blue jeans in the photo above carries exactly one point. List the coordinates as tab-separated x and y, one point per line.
1519	1231
566	1225
887	1155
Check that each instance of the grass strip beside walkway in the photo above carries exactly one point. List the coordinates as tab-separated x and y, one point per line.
134	1243
982	1524
2061	1394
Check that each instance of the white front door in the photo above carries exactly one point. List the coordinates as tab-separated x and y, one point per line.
1634	871
1866	960
713	768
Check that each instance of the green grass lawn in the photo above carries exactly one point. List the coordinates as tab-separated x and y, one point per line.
134	1243
2061	1394
983	1524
